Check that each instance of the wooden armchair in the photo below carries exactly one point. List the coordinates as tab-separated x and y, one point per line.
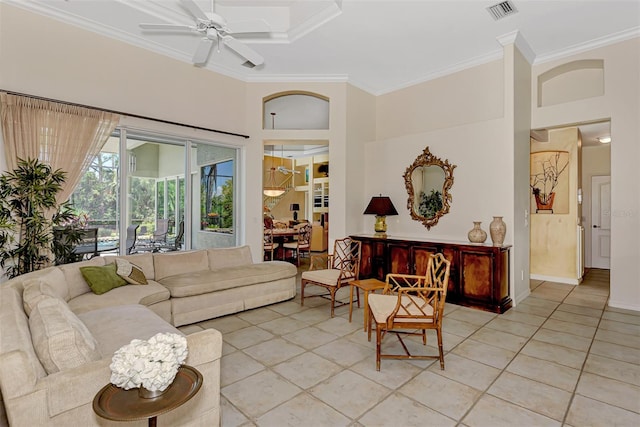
337	270
410	305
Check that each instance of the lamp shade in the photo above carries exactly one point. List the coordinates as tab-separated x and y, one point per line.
294	207
380	205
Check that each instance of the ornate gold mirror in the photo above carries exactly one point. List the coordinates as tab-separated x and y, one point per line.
428	181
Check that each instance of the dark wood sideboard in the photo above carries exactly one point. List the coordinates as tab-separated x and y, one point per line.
479	272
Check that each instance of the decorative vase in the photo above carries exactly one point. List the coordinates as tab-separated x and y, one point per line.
150	394
477	234
498	229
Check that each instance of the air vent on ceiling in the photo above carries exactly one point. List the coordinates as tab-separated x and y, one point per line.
502	10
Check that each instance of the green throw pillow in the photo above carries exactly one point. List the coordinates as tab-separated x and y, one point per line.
102	279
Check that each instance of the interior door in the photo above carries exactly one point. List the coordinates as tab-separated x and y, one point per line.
600	221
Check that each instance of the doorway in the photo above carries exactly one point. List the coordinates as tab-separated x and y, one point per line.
600	222
564	259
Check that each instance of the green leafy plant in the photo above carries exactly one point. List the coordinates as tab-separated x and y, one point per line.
429	204
29	216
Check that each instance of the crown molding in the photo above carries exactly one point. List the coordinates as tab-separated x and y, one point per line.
298	78
516	38
593	44
460	66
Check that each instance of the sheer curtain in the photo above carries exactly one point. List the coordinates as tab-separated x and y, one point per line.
64	136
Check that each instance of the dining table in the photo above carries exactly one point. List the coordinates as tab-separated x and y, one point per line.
282	235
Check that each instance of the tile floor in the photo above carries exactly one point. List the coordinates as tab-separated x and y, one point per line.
560	358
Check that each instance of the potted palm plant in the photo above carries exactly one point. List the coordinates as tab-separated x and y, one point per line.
29	216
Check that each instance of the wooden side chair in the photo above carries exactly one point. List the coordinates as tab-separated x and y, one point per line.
340	268
301	244
268	245
410	305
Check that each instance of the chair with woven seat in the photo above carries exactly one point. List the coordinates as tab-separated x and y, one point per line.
411	304
340	268
268	245
301	244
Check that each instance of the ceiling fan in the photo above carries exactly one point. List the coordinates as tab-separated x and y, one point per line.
284	170
215	28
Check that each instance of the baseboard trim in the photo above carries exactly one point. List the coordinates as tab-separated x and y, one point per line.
519	298
623	306
564	280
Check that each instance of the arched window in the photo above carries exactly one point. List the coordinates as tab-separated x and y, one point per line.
295	110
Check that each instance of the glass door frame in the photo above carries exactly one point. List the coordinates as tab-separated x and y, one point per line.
189	145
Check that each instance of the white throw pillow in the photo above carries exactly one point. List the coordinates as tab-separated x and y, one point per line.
60	339
36	290
130	272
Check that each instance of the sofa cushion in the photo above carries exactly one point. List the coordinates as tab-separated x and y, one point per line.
201	282
149	294
229	257
142	260
101	279
16	336
60	339
112	326
35	290
75	282
130	272
173	263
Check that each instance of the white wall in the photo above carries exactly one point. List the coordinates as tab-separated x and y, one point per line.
621	103
339	216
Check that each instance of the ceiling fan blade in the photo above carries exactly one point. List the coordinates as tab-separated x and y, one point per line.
202	51
255	26
166	27
243	50
194	10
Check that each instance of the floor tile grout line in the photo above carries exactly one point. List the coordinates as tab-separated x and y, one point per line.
477	328
486	391
584	362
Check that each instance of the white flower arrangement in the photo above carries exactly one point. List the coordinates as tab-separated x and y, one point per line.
152	364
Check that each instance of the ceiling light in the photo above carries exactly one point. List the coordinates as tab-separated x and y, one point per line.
604	139
272	189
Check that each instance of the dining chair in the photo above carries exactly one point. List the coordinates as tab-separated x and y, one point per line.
160	233
88	247
268	244
176	244
301	244
333	271
409	305
132	235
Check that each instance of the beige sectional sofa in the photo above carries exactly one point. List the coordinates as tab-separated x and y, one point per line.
56	346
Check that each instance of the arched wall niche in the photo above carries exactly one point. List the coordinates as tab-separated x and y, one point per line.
571	82
295	110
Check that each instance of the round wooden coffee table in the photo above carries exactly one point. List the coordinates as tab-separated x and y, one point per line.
117	404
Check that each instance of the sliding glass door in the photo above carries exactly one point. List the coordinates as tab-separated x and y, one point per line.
156	200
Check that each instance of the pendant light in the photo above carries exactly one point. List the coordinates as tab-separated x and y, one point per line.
272	189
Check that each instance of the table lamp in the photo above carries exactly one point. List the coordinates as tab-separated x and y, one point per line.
380	206
295	207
